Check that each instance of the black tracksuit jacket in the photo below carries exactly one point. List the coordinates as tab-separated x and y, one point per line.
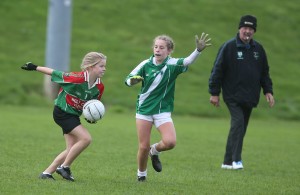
241	71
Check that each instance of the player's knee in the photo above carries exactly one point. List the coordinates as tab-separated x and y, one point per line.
170	144
144	148
87	140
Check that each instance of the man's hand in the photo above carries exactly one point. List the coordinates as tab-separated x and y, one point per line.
203	42
270	99
135	79
215	100
29	66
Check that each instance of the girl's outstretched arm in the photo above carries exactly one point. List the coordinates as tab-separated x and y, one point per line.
32	67
45	70
201	44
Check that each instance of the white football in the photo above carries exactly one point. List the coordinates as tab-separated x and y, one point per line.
93	110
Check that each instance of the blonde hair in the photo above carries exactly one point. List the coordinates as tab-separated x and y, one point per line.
91	59
167	39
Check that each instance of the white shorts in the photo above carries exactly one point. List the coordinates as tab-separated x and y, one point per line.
156	119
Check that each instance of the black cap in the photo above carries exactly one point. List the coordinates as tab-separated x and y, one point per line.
248	21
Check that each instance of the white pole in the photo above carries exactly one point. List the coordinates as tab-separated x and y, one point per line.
58	41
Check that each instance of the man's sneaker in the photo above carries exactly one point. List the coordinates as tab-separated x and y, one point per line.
65	172
225	166
237	165
141	178
156	164
46	176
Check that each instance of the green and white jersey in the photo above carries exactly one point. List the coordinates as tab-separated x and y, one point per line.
158	87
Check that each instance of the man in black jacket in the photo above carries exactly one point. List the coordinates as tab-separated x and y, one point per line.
241	69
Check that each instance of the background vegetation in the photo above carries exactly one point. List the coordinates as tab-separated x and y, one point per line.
124	31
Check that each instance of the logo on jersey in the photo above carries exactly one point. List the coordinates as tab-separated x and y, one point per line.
240	55
256	55
73	74
74	102
158	72
78	93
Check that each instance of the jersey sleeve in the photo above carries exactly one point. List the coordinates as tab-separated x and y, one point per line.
191	58
57	76
178	65
136	71
72	77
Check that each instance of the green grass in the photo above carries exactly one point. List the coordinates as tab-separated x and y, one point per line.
124	30
30	140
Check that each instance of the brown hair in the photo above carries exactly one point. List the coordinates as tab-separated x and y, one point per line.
167	39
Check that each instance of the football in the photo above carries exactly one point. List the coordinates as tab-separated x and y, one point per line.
93	110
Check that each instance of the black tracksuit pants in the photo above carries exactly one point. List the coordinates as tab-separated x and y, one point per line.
240	116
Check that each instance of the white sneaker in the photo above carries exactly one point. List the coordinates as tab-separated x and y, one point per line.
224	166
237	165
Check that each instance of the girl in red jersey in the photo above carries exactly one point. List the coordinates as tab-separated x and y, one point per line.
76	88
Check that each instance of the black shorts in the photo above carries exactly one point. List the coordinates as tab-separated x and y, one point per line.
65	120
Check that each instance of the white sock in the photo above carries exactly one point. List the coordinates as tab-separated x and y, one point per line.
153	150
141	173
46	173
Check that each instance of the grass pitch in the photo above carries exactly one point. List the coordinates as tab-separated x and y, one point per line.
30	140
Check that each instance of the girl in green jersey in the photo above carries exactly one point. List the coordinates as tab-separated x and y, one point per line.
155	101
76	88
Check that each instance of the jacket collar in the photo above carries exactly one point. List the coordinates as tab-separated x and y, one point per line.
240	43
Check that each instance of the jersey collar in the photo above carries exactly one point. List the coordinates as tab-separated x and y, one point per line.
152	58
87	76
